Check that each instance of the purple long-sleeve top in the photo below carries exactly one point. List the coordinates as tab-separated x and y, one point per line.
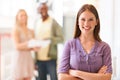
74	57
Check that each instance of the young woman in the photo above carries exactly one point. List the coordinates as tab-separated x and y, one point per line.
23	61
86	57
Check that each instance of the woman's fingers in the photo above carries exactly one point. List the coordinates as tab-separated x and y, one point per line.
103	69
36	48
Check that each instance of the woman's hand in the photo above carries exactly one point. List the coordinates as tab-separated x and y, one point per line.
75	73
102	70
36	49
67	77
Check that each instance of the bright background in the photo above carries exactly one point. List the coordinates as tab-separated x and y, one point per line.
64	11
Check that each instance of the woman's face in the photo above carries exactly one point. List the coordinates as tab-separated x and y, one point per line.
22	17
87	22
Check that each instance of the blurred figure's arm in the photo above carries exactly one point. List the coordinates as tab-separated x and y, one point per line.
18	44
57	32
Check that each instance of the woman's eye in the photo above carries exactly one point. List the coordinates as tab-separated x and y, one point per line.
82	19
90	19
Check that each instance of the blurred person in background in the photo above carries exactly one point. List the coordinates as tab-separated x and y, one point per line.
47	28
23	65
86	56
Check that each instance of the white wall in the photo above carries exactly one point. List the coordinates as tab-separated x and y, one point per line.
117	37
9	8
110	17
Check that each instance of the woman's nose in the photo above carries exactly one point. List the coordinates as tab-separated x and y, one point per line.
86	23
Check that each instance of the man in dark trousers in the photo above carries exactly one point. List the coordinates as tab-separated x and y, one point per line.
47	29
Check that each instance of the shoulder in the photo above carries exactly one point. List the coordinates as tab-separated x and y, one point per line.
71	42
51	18
15	34
54	21
15	30
104	45
69	45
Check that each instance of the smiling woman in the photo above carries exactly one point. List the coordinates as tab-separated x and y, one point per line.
86	57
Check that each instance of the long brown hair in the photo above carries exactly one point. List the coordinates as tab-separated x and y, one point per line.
92	9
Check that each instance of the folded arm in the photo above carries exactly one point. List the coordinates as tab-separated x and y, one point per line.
66	76
101	75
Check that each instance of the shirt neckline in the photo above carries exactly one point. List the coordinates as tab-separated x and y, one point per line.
80	47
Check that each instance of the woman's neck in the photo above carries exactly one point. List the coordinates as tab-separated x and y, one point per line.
87	42
87	38
23	26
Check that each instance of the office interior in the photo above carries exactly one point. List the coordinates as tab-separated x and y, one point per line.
64	11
